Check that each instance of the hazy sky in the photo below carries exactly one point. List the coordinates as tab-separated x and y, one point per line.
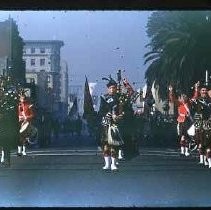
97	43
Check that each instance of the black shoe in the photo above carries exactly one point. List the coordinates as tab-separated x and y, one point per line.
19	154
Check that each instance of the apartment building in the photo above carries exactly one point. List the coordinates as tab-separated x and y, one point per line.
43	67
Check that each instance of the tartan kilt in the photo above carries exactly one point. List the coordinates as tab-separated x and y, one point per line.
182	129
111	138
206	139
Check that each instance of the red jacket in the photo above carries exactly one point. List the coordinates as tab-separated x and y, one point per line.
183	109
183	112
25	111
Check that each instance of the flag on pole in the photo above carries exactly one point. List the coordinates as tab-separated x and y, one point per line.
89	113
88	103
74	109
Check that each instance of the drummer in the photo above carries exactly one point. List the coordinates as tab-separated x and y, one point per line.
25	115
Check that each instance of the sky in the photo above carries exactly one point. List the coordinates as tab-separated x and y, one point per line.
96	43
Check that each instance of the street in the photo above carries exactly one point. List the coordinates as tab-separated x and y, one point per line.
73	177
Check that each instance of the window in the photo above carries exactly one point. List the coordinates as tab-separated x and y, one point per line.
42	50
32	50
32	80
24	51
32	62
42	62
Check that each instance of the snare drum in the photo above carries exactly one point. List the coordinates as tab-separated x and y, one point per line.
29	131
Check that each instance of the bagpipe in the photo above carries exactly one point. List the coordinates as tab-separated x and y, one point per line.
126	88
201	111
125	93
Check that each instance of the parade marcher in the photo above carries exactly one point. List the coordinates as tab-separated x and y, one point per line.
8	118
202	111
183	117
110	136
208	133
128	124
26	115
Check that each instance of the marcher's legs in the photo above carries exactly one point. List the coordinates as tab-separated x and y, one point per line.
24	150
22	145
184	146
209	157
201	154
113	159
107	157
2	155
120	153
5	155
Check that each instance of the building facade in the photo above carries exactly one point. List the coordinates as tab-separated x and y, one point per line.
43	67
64	81
11	51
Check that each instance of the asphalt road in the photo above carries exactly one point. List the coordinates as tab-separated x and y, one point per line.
71	177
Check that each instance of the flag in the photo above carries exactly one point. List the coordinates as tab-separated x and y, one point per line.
92	87
74	109
88	103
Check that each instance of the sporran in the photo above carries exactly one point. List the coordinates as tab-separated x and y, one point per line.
114	136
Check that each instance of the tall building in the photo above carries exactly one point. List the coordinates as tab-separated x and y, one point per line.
11	51
43	67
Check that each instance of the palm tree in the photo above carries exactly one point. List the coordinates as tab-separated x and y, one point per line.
179	49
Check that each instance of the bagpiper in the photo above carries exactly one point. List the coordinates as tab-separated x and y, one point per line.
202	113
111	138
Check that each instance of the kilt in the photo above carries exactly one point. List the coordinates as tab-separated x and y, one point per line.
182	129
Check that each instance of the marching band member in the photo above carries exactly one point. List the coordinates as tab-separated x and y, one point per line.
25	114
8	118
110	136
183	113
202	108
208	134
128	125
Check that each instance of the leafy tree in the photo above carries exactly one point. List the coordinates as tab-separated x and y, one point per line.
179	49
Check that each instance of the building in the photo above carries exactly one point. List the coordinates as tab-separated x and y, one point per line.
11	51
64	82
43	67
64	78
